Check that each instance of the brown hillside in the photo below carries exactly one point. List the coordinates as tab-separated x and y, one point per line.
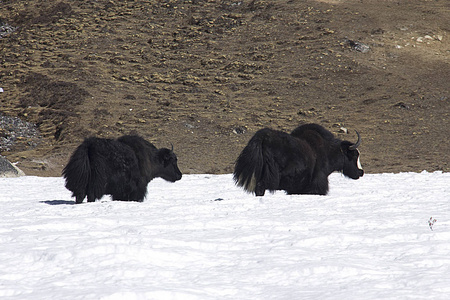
205	75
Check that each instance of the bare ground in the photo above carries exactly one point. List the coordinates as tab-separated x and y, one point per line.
206	75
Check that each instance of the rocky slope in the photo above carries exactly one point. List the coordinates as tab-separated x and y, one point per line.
205	75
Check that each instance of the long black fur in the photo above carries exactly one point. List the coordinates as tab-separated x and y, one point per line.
121	168
298	163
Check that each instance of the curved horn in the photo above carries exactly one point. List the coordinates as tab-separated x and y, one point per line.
172	146
358	142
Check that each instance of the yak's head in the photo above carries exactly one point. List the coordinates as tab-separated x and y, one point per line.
352	166
168	169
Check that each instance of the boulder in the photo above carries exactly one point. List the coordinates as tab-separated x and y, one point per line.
7	169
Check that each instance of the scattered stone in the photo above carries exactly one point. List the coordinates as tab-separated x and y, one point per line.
402	105
14	131
239	130
427	38
358	46
307	113
343	130
5	29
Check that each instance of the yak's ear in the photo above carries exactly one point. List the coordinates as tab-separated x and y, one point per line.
345	147
164	156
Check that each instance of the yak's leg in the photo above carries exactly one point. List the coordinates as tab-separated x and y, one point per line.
259	189
79	199
138	191
319	186
91	197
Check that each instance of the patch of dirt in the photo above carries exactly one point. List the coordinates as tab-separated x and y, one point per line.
206	75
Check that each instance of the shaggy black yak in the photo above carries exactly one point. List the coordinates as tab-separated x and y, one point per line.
298	163
121	168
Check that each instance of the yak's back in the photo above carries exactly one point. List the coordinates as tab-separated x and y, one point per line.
145	152
307	130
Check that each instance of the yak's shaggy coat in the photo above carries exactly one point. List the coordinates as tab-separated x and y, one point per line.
298	163
121	168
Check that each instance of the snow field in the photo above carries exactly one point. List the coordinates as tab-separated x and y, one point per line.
204	238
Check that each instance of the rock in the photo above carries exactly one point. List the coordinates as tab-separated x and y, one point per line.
358	46
6	29
239	130
439	37
343	130
7	169
402	105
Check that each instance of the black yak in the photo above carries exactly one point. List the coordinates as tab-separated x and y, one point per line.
121	168
298	163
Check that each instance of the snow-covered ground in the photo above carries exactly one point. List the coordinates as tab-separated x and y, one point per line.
203	238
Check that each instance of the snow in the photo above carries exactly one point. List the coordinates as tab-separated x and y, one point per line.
204	238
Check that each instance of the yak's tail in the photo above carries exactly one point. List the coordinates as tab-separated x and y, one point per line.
77	172
255	169
86	172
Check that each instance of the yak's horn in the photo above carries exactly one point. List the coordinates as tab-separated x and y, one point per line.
358	142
